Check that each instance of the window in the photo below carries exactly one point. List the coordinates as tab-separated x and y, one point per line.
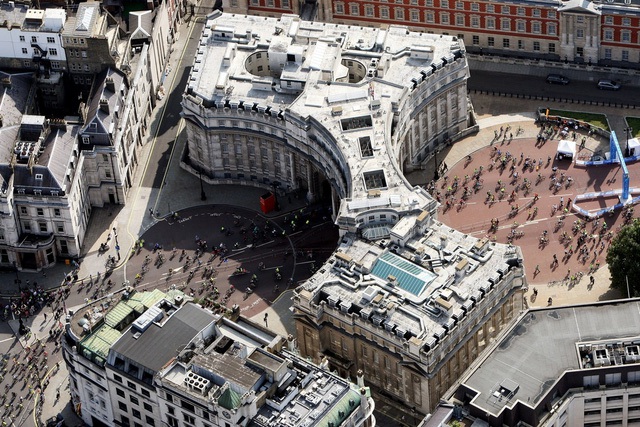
107	173
188	418
459	5
490	8
22	38
134	400
368	10
145	393
53	51
490	41
580	33
34	39
460	20
475	40
131	385
505	24
55	65
551	14
188	406
551	29
536	46
428	3
339	9
520	44
444	18
122	406
40	211
626	22
475	21
536	13
430	17
444	4
521	26
384	12
505	43
608	34
505	10
354	9
64	248
120	392
625	36
475	7
172	422
535	27
25	50
136	414
520	11
285	4
51	40
491	23
117	378
86	140
26	64
415	15
399	13
42	226
150	421
625	55
84	54
147	407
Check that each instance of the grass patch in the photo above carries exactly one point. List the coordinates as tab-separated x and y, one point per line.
599	120
634	123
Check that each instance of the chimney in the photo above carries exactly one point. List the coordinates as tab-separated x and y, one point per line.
6	82
291	343
110	84
360	378
364	401
104	105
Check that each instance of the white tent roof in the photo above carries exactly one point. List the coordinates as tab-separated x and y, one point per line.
567	147
634	143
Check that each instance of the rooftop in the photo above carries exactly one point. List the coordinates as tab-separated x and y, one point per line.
417	292
546	343
160	342
347	81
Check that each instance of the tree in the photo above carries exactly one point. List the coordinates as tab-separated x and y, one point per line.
622	258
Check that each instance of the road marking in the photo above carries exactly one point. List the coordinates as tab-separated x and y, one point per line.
8	339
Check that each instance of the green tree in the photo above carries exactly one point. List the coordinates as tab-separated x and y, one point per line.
622	258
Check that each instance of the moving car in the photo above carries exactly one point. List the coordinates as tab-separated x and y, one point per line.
557	79
607	84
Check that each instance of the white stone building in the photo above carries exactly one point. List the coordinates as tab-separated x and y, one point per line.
322	108
150	360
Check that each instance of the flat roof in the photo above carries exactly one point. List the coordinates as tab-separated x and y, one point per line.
154	347
543	345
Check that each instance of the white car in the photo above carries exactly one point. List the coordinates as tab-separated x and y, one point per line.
606	84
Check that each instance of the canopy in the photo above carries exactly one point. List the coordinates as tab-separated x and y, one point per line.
634	144
566	148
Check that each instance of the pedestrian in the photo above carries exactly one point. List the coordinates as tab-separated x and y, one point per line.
537	269
45	317
150	211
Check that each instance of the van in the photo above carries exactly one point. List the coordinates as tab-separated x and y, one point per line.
558	79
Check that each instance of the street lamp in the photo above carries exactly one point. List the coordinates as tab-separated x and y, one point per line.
17	280
627	131
202	195
436	174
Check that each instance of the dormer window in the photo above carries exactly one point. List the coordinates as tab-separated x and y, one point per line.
39	176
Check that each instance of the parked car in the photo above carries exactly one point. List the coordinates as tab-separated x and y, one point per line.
606	84
558	79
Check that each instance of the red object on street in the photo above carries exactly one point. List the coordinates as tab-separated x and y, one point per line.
267	202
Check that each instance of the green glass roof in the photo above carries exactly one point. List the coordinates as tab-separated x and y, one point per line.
411	277
138	302
100	340
342	409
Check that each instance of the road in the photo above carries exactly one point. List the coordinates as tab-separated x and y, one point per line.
536	86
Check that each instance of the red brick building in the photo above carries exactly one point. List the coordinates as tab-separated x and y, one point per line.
582	31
